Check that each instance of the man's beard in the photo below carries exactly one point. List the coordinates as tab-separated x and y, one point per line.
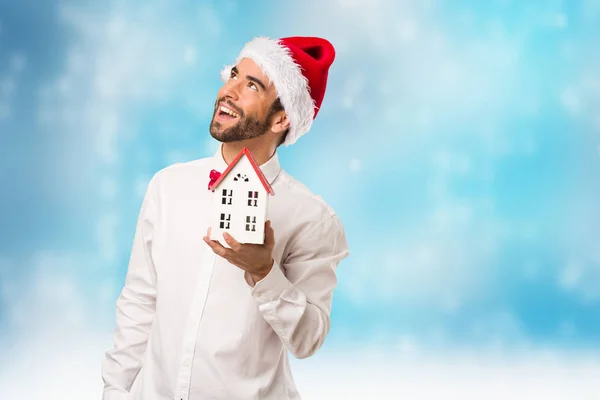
248	127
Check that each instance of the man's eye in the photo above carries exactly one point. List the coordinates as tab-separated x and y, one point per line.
253	86
233	75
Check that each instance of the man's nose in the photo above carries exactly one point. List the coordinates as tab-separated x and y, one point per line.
231	90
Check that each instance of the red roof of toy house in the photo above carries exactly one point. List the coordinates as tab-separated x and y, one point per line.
255	166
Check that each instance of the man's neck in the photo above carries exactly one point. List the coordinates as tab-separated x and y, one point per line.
260	151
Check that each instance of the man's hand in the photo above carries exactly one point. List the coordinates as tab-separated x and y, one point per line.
255	259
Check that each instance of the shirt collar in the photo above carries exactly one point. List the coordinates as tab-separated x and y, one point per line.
270	168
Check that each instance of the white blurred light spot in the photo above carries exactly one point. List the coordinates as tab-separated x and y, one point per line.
571	101
355	289
8	291
529	146
560	21
45	116
18	62
488	174
7	86
567	328
68	116
116	27
106	138
189	55
437	336
451	304
347	102
348	3
452	162
591	82
449	75
465	18
108	188
408	345
571	275
5	111
5	265
438	188
531	106
76	62
497	30
107	290
353	90
528	231
451	216
228	6
425	258
209	21
64	86
596	123
423	118
141	185
173	157
530	269
392	116
105	85
407	31
107	236
385	88
355	165
211	145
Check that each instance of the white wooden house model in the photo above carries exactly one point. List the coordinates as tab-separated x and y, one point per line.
241	200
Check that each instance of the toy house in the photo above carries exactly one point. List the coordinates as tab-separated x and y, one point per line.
241	199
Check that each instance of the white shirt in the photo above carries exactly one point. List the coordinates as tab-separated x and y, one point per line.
189	326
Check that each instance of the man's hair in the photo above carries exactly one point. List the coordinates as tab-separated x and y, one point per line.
275	107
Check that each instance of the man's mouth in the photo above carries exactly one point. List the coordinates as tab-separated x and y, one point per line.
226	113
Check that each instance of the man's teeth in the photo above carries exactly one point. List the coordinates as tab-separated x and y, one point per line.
228	111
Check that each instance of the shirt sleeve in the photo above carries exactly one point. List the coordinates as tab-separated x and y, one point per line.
135	308
297	302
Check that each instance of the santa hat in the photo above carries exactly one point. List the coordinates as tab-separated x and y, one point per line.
298	67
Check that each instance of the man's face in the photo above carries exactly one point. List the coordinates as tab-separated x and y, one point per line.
243	104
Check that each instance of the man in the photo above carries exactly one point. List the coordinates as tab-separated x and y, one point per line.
203	319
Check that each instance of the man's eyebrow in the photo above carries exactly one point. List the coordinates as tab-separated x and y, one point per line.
257	81
251	78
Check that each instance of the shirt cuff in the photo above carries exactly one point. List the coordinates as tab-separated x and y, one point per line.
271	286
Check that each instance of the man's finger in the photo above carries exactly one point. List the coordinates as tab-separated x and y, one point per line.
234	244
269	241
218	248
209	242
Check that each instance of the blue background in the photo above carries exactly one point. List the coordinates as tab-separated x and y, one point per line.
458	141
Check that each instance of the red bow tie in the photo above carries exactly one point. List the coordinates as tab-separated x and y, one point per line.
214	175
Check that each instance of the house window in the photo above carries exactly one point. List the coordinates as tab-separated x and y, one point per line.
252	196
227	195
251	224
225	221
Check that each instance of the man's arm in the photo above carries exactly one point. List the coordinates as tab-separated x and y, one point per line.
297	304
135	308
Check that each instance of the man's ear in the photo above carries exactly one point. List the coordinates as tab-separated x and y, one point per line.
280	122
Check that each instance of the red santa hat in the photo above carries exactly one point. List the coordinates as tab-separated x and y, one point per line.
298	68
